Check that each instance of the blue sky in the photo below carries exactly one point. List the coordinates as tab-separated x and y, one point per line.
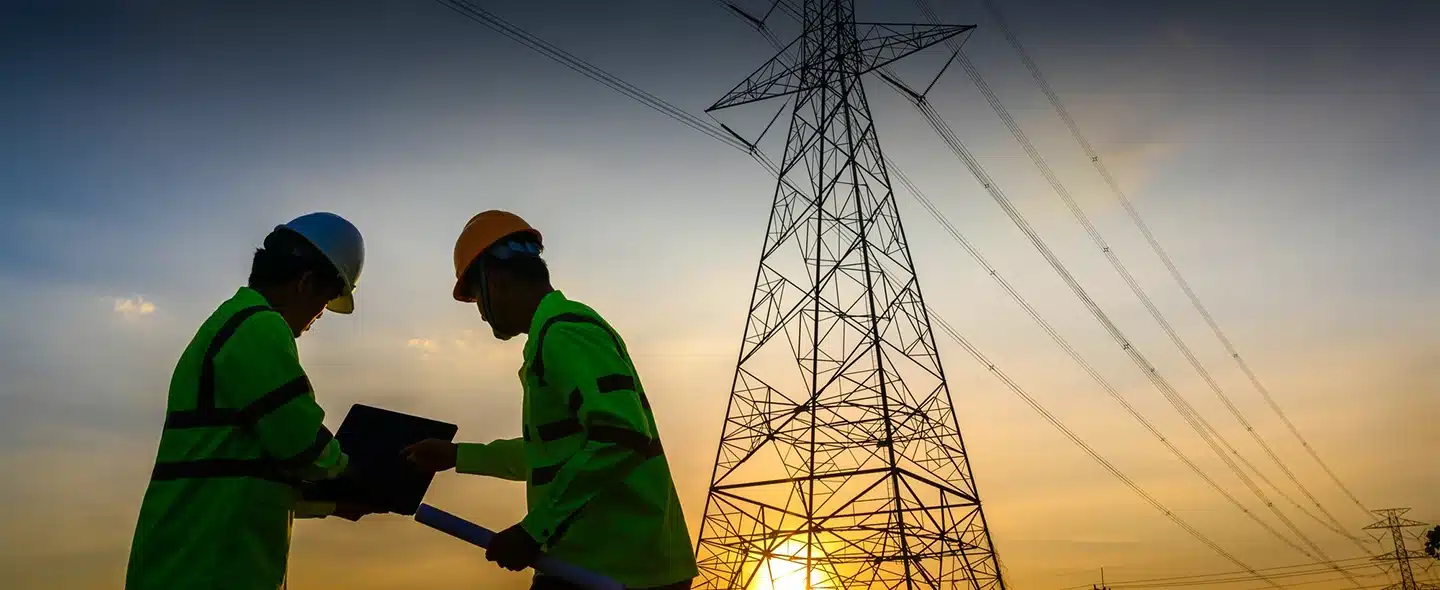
1285	156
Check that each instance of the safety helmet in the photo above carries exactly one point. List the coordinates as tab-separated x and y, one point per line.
480	233
340	242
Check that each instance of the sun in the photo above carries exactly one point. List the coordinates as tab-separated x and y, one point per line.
786	570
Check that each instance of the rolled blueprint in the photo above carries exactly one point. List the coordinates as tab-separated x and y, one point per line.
479	536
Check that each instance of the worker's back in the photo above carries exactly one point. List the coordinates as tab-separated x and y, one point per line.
217	511
633	531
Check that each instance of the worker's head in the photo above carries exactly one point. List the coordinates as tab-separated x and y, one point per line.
295	278
498	267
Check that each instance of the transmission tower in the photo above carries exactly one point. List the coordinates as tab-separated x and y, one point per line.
1102	585
1399	556
849	472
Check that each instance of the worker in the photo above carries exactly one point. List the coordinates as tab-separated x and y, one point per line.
243	431
598	486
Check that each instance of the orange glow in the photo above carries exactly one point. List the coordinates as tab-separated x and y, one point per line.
785	570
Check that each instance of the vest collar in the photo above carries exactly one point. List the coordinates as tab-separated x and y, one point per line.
551	305
249	297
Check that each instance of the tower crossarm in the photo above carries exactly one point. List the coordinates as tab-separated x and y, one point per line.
1396	522
876	45
883	43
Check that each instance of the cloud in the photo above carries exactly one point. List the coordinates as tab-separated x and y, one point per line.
425	346
465	339
460	346
133	306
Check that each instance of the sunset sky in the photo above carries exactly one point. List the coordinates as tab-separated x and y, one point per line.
1285	156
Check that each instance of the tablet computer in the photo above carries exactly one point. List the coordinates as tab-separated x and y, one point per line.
374	438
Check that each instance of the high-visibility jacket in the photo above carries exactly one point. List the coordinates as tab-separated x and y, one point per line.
598	486
242	431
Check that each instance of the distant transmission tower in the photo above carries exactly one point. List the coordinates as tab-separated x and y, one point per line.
1102	585
849	472
1399	556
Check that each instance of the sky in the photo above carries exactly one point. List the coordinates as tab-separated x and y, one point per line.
1284	155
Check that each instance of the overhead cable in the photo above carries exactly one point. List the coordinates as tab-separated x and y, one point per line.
1115	262
1358	563
1079	442
1134	215
587	69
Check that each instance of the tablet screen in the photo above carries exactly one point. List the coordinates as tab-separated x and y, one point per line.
373	438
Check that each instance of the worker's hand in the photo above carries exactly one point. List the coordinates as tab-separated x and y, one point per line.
513	549
431	454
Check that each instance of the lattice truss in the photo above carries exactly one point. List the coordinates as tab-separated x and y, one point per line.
840	459
1399	559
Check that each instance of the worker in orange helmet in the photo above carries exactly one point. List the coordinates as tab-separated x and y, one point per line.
598	486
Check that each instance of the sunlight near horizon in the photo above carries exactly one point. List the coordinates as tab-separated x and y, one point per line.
785	570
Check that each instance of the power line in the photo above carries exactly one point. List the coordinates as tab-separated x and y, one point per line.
1139	292
1195	420
1325	569
1079	442
1363	560
1354	564
1120	268
587	69
1075	355
1155	244
714	130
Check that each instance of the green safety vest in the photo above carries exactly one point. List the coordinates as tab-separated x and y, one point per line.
598	487
242	432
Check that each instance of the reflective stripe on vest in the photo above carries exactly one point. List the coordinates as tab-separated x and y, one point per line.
206	415
643	446
607	384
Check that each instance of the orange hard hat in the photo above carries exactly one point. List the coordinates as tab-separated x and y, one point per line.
480	233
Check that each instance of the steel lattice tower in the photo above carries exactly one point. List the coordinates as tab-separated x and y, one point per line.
1391	521
851	471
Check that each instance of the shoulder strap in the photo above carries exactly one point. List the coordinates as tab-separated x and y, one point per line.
611	382
538	367
206	398
205	413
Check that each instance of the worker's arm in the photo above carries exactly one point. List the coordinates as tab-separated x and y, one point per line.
262	372
504	459
582	357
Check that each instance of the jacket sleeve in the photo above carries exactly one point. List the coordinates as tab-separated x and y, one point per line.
582	357
504	459
263	375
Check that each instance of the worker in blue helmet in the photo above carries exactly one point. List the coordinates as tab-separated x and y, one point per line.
243	432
